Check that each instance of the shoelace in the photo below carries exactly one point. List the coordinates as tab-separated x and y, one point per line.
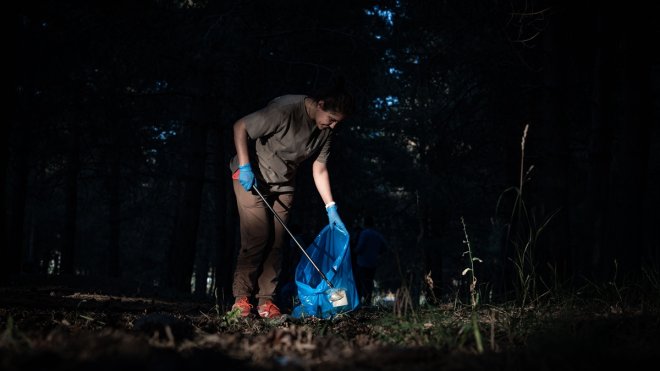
266	308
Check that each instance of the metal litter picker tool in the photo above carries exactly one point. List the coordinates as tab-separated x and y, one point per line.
336	296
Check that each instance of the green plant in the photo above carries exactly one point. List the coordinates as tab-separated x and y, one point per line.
474	294
12	338
523	232
618	305
233	316
476	332
471	328
652	277
652	281
609	294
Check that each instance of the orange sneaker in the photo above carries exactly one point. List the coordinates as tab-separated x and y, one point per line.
269	310
243	305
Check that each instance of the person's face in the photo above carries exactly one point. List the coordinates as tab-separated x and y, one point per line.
327	119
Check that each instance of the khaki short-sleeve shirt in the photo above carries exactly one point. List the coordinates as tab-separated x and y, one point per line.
284	137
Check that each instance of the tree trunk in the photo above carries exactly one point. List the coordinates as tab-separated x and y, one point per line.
114	214
226	220
71	204
598	154
184	240
546	148
629	153
431	255
201	275
12	261
13	228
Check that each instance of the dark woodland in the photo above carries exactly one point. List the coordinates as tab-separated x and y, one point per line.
523	134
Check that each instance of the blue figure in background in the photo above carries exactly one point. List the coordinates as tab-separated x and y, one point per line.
370	244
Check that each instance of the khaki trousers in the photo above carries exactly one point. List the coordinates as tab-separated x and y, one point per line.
260	256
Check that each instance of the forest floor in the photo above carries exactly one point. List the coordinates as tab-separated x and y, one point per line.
61	328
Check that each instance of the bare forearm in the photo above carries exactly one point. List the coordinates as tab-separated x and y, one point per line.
322	181
241	142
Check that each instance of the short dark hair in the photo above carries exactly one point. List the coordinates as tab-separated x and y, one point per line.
336	98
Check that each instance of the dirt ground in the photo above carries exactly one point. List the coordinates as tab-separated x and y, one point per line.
59	328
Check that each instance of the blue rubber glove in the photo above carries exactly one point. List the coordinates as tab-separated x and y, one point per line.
333	216
246	177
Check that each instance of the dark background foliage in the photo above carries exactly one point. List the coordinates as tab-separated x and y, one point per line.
116	161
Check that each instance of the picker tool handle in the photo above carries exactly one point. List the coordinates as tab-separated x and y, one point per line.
292	237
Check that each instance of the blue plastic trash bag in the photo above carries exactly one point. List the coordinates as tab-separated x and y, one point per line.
331	253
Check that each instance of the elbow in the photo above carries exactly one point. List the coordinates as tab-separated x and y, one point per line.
239	127
319	167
